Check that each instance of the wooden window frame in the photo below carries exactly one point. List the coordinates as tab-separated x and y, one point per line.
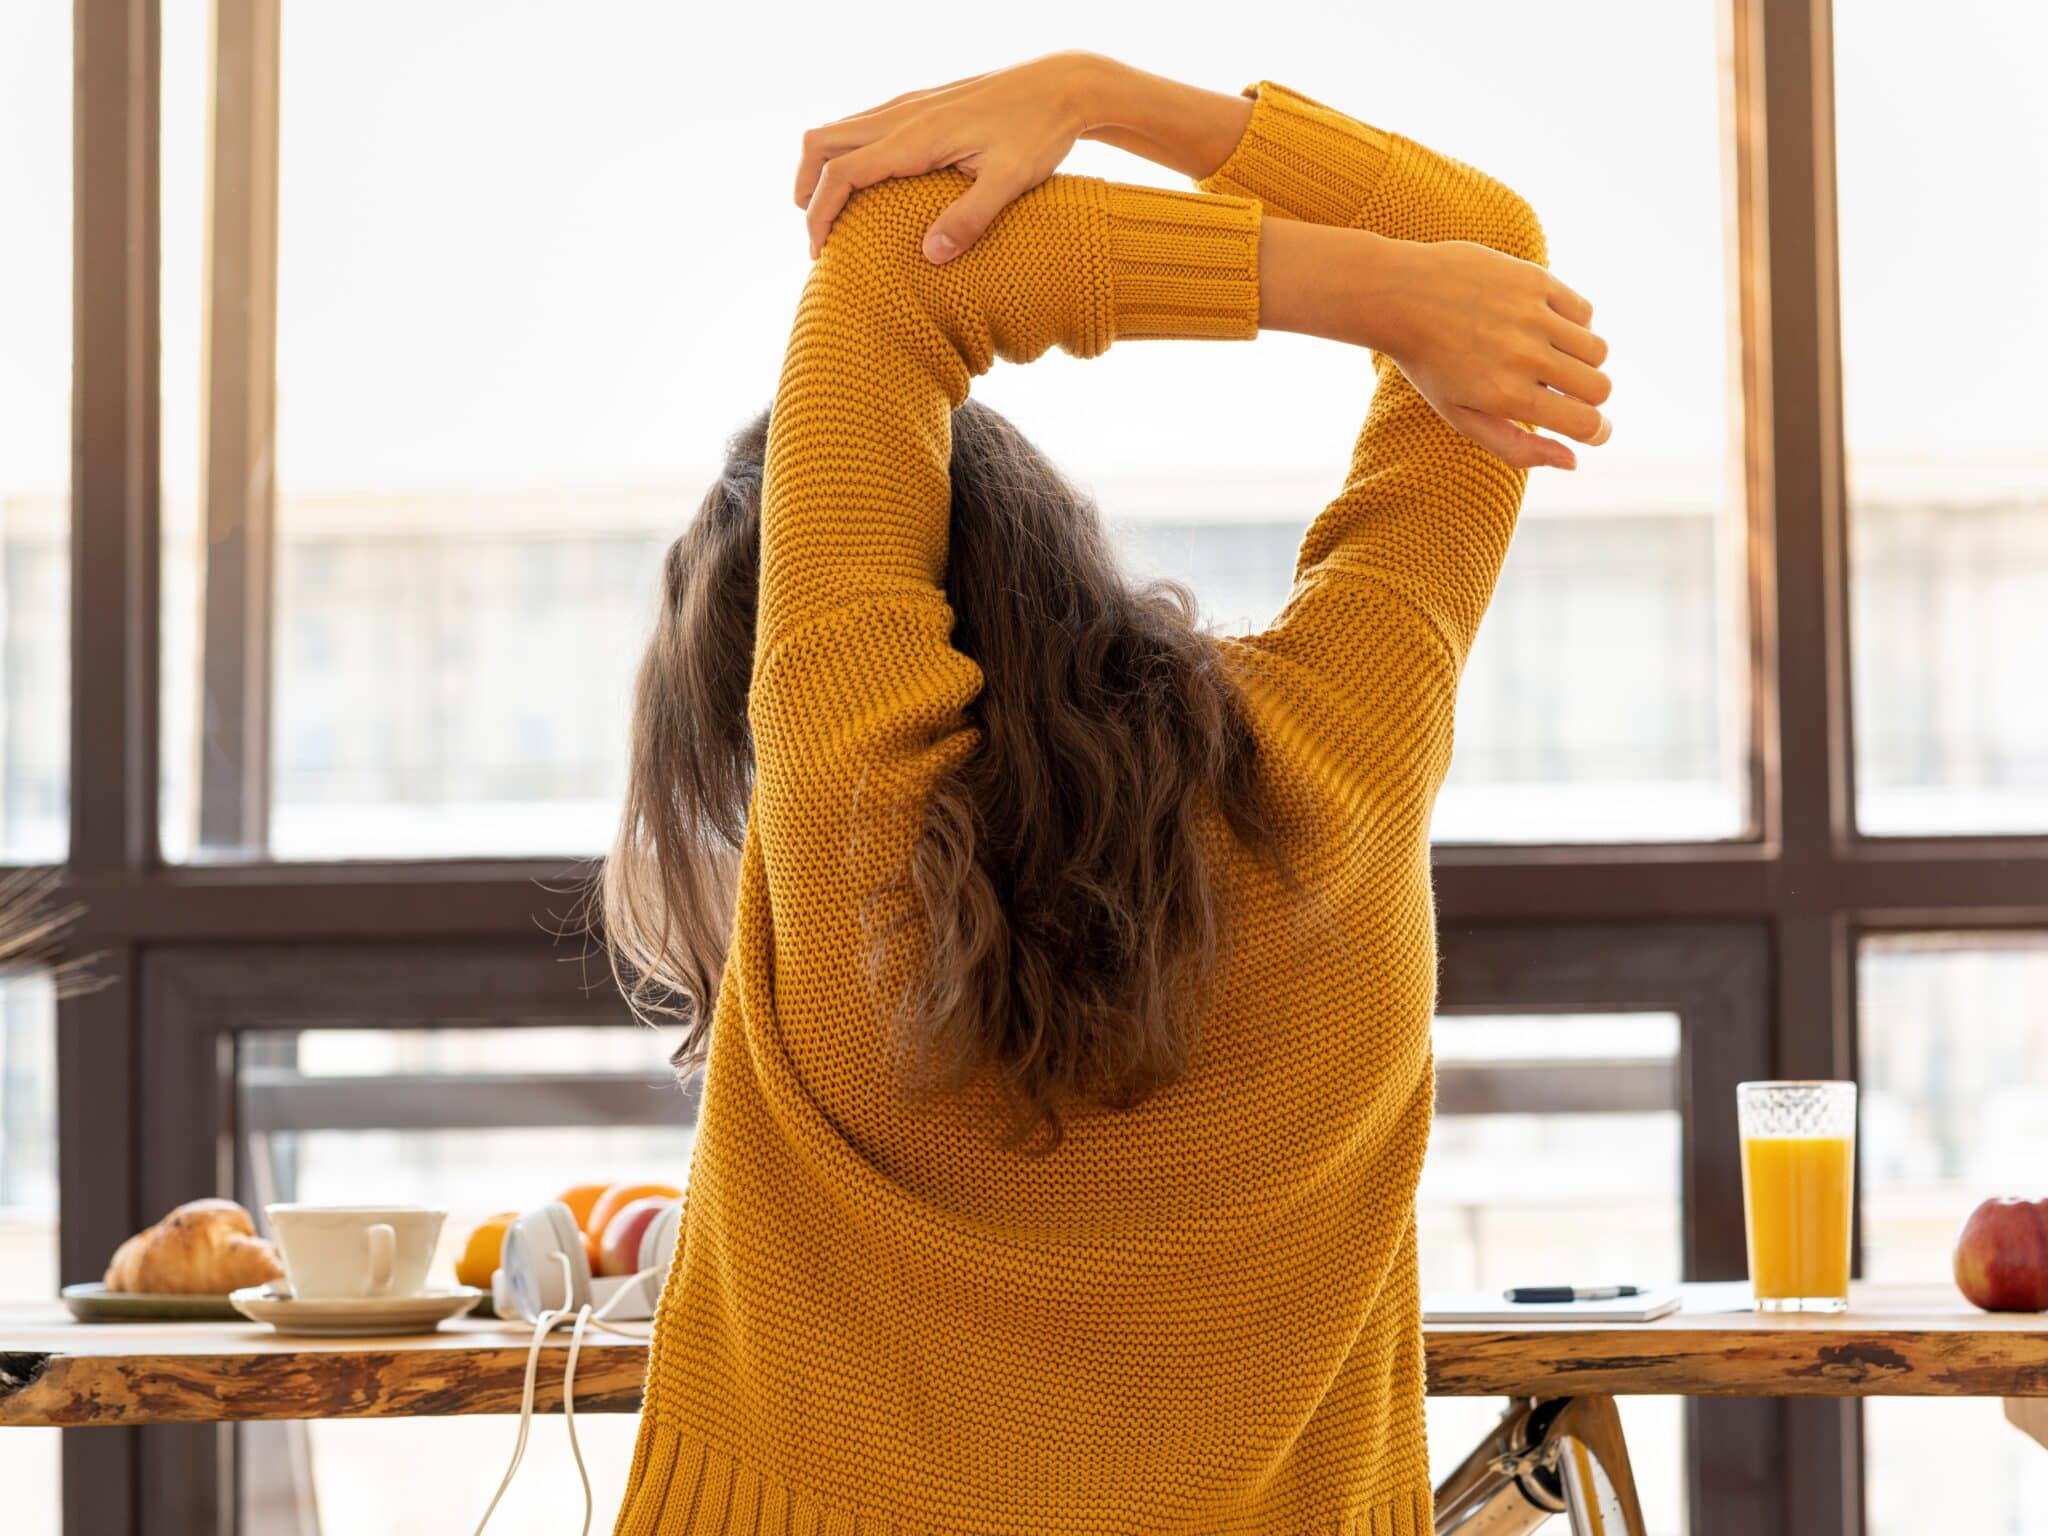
1524	927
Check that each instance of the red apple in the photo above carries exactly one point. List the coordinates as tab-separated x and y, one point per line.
618	1250
2002	1256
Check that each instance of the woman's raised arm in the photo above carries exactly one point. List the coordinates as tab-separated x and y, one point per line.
1475	337
859	700
885	343
1010	128
1431	499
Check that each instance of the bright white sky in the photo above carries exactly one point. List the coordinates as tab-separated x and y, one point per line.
525	243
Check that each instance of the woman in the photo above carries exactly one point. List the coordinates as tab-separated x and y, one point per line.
1072	967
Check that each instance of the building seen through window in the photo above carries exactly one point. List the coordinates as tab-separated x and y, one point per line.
439	694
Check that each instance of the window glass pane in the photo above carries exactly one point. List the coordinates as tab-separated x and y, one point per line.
511	342
482	1119
1595	1195
1955	1110
363	1115
28	1222
1948	476
35	431
1605	698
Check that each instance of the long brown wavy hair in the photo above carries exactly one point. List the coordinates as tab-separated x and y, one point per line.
1071	930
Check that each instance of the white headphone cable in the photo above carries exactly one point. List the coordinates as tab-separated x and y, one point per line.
543	1325
598	1317
569	1408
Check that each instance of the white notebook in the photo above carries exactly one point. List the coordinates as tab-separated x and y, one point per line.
1492	1307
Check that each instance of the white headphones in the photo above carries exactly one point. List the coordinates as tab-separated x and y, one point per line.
543	1276
543	1267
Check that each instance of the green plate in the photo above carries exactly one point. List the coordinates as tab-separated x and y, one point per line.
92	1302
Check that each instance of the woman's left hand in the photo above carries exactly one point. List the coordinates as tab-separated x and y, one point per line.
1008	129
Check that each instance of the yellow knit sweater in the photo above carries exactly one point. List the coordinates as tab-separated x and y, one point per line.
1200	1315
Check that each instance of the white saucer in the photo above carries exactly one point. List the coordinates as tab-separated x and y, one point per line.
349	1315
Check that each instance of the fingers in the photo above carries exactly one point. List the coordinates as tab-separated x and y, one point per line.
1513	444
1573	418
1569	376
1570	304
824	146
836	138
970	214
821	145
846	174
1572	380
1576	340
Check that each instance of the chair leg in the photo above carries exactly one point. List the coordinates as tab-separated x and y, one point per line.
1545	1457
1507	1485
1599	1483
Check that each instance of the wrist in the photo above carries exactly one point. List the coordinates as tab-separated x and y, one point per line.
1095	90
1182	127
1385	272
1336	283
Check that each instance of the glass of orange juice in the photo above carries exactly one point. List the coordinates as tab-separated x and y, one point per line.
1798	1191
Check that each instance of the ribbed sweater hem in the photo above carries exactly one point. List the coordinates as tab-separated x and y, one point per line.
682	1485
1183	264
1301	159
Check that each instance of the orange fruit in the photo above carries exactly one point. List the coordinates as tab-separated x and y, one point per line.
618	1197
480	1253
581	1200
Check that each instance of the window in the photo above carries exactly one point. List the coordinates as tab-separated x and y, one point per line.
1606	697
1955	1110
1571	1206
35	617
35	395
490	353
479	1120
502	355
1948	478
376	556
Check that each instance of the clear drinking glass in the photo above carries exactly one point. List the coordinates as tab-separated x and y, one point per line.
1798	1191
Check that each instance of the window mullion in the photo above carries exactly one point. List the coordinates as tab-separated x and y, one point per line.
238	395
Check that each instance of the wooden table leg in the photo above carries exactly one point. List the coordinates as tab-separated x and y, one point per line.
2029	1415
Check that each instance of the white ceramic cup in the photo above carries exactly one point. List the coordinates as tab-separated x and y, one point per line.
356	1250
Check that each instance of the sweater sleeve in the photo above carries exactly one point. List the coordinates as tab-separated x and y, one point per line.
858	697
885	343
1425	514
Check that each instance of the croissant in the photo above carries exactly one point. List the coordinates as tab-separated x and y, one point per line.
204	1247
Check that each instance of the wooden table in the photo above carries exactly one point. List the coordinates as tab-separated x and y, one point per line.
1896	1341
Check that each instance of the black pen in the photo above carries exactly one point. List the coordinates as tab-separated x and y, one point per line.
1542	1294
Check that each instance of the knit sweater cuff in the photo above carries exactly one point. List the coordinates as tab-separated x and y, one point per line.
1302	159
1183	264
